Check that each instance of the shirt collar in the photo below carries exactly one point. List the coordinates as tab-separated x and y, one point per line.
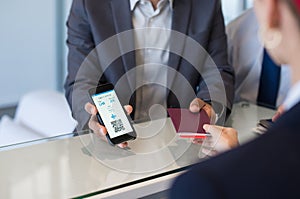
134	2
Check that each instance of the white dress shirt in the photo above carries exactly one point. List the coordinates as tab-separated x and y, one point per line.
152	53
245	53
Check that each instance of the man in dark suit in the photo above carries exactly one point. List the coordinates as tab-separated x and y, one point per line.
267	167
91	23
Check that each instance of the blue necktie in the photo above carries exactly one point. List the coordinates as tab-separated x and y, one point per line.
269	83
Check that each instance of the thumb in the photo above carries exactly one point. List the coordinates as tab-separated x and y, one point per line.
206	127
90	108
196	105
214	130
128	109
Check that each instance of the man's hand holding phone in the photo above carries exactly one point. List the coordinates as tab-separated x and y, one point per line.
113	121
99	129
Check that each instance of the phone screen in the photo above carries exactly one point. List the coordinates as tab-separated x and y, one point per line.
112	113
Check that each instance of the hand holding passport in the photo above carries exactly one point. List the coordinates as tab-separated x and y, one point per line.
188	124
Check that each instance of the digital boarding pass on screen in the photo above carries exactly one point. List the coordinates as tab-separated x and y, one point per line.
112	113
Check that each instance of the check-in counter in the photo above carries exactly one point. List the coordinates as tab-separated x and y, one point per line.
85	166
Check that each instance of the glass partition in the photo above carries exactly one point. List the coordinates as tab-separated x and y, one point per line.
41	64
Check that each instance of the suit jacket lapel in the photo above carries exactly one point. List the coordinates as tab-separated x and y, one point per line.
123	22
180	23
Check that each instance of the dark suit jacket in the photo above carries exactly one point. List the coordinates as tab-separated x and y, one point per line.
267	167
91	22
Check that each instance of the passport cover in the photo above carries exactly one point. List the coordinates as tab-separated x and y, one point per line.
185	121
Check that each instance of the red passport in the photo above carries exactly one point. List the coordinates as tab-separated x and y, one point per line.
188	124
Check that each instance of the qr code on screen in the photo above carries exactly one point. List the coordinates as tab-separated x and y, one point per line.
118	125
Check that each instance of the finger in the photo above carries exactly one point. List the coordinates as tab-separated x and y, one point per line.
209	152
276	116
123	145
96	126
225	138
206	127
279	112
214	130
212	153
196	105
197	141
210	113
128	109
101	132
90	108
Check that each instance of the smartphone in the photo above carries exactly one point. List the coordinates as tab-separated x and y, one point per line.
111	114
